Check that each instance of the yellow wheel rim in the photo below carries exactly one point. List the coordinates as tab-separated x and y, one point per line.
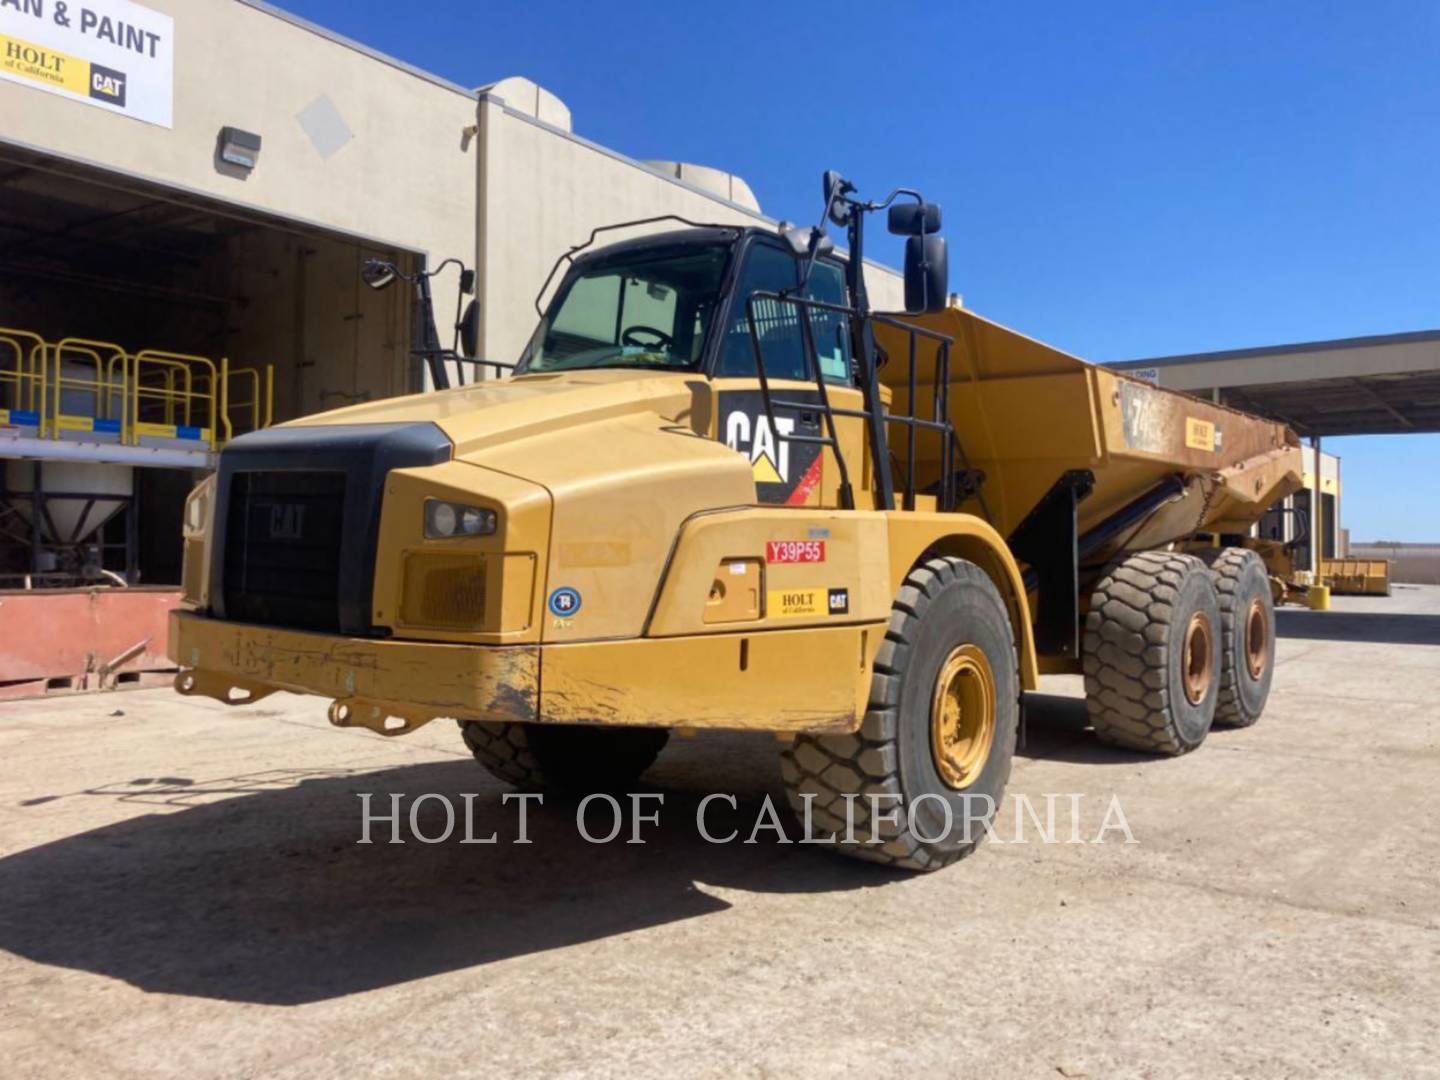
962	716
1197	657
1257	639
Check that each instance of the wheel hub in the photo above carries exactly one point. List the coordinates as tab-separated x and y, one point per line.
962	716
1197	656
1257	639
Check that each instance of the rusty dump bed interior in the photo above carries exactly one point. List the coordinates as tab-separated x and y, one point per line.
1027	413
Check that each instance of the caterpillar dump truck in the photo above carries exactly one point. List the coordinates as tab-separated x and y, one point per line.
720	491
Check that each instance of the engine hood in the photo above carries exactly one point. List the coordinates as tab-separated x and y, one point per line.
495	413
625	459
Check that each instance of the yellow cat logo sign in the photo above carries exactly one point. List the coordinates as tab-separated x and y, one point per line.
114	54
764	470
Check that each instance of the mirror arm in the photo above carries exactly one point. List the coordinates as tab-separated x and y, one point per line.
818	233
863	349
455	335
443	265
426	332
895	195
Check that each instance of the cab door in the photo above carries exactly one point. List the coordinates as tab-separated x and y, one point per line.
788	472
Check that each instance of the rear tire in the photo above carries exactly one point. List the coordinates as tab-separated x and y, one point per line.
1247	639
1152	653
949	634
567	757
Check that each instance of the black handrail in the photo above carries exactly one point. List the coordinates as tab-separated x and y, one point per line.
939	423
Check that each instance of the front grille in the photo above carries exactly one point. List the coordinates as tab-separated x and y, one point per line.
282	549
297	521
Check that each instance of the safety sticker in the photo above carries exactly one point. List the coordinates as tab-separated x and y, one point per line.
839	601
787	603
564	602
795	551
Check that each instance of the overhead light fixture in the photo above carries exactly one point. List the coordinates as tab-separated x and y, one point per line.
239	148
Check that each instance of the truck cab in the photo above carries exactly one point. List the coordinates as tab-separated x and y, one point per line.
679	304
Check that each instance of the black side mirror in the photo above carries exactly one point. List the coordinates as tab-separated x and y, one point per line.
914	219
834	188
927	273
378	274
469	328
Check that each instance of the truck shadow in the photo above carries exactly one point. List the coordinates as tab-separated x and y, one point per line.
1057	728
1359	626
267	897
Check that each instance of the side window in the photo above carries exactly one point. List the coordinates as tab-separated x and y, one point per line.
831	329
777	324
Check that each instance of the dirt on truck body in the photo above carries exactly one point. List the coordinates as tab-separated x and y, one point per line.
718	490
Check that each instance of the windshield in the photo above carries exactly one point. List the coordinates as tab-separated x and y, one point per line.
644	309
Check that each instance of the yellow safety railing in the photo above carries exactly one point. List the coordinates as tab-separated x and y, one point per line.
84	402
23	374
261	400
185	412
101	391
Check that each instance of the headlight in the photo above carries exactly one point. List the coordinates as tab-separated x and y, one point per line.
444	520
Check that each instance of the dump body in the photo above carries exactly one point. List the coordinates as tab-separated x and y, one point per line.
1026	414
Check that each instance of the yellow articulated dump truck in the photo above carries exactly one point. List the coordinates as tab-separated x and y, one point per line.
718	490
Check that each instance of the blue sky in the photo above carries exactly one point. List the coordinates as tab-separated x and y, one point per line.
1122	179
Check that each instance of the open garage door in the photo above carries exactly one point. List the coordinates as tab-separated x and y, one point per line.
97	270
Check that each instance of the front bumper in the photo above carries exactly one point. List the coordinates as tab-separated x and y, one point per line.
391	687
812	679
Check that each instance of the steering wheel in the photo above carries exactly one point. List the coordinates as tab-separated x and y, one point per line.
662	339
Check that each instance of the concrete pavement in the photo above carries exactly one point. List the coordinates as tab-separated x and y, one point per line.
181	894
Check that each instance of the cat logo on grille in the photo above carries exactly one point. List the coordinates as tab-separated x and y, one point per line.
287	521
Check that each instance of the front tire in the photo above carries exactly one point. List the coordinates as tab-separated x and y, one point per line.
936	744
567	757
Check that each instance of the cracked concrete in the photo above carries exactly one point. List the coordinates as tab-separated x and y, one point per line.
181	894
